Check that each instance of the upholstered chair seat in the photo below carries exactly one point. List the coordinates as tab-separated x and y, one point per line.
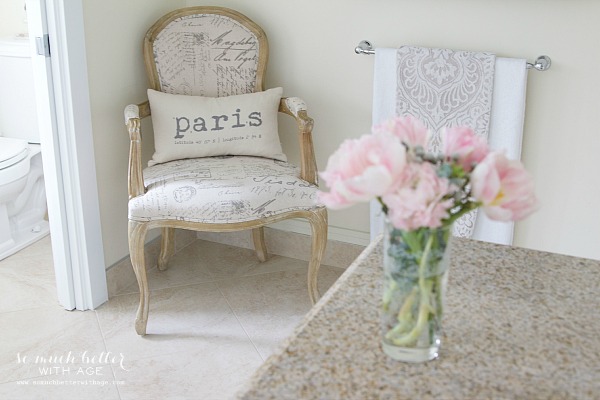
222	190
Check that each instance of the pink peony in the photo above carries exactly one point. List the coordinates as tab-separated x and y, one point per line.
418	201
362	169
462	143
504	188
408	129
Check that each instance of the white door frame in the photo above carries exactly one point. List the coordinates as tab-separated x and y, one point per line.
68	152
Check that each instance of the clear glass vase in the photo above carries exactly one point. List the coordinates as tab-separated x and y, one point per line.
415	276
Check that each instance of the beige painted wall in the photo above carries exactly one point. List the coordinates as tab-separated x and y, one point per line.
13	20
312	56
114	31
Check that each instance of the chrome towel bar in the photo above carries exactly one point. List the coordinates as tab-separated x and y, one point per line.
542	63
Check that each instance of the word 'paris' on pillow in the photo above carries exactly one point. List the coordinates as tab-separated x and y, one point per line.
196	126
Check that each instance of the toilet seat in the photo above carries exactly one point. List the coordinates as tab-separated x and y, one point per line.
12	151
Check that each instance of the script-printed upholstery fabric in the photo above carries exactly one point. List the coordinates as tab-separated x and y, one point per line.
206	55
221	190
444	87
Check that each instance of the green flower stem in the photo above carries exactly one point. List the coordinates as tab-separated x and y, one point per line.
387	295
384	208
425	308
405	317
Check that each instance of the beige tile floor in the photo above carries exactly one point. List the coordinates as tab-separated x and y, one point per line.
215	316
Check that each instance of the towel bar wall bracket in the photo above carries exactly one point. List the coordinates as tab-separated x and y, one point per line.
542	63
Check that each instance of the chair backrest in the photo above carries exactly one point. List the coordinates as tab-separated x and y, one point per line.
206	51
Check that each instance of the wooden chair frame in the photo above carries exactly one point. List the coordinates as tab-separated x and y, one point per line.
308	172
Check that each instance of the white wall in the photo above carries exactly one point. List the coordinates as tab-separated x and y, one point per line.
312	55
114	31
13	20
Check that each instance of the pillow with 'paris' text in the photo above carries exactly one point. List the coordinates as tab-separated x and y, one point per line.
195	126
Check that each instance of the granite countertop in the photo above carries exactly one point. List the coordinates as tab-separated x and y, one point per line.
519	324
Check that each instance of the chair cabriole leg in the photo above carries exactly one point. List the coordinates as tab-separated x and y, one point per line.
137	235
318	224
258	237
167	248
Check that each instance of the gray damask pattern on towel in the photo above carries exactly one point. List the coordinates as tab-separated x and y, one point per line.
221	190
444	87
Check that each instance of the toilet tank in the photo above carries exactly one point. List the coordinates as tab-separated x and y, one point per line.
18	114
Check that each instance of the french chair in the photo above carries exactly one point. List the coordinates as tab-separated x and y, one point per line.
215	52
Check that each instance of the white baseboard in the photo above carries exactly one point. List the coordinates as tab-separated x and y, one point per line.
336	234
294	241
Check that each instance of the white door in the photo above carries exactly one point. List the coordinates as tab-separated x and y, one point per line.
59	63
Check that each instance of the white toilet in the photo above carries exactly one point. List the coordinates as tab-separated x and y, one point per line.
22	192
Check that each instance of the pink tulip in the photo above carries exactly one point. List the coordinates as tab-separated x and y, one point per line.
362	169
408	129
504	188
418	202
462	143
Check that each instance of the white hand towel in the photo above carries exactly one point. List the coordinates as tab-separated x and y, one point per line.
384	107
506	132
384	85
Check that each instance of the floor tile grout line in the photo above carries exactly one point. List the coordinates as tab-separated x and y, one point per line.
100	329
107	351
240	322
187	245
112	370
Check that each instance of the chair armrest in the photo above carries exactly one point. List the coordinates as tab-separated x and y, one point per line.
133	114
297	108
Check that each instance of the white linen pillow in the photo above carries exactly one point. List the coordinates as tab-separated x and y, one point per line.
196	126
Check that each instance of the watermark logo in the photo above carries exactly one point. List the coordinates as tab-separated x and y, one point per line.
70	368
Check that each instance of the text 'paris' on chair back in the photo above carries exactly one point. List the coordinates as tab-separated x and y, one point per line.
215	52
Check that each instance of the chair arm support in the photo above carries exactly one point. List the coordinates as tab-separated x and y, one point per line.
133	113
296	107
292	106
